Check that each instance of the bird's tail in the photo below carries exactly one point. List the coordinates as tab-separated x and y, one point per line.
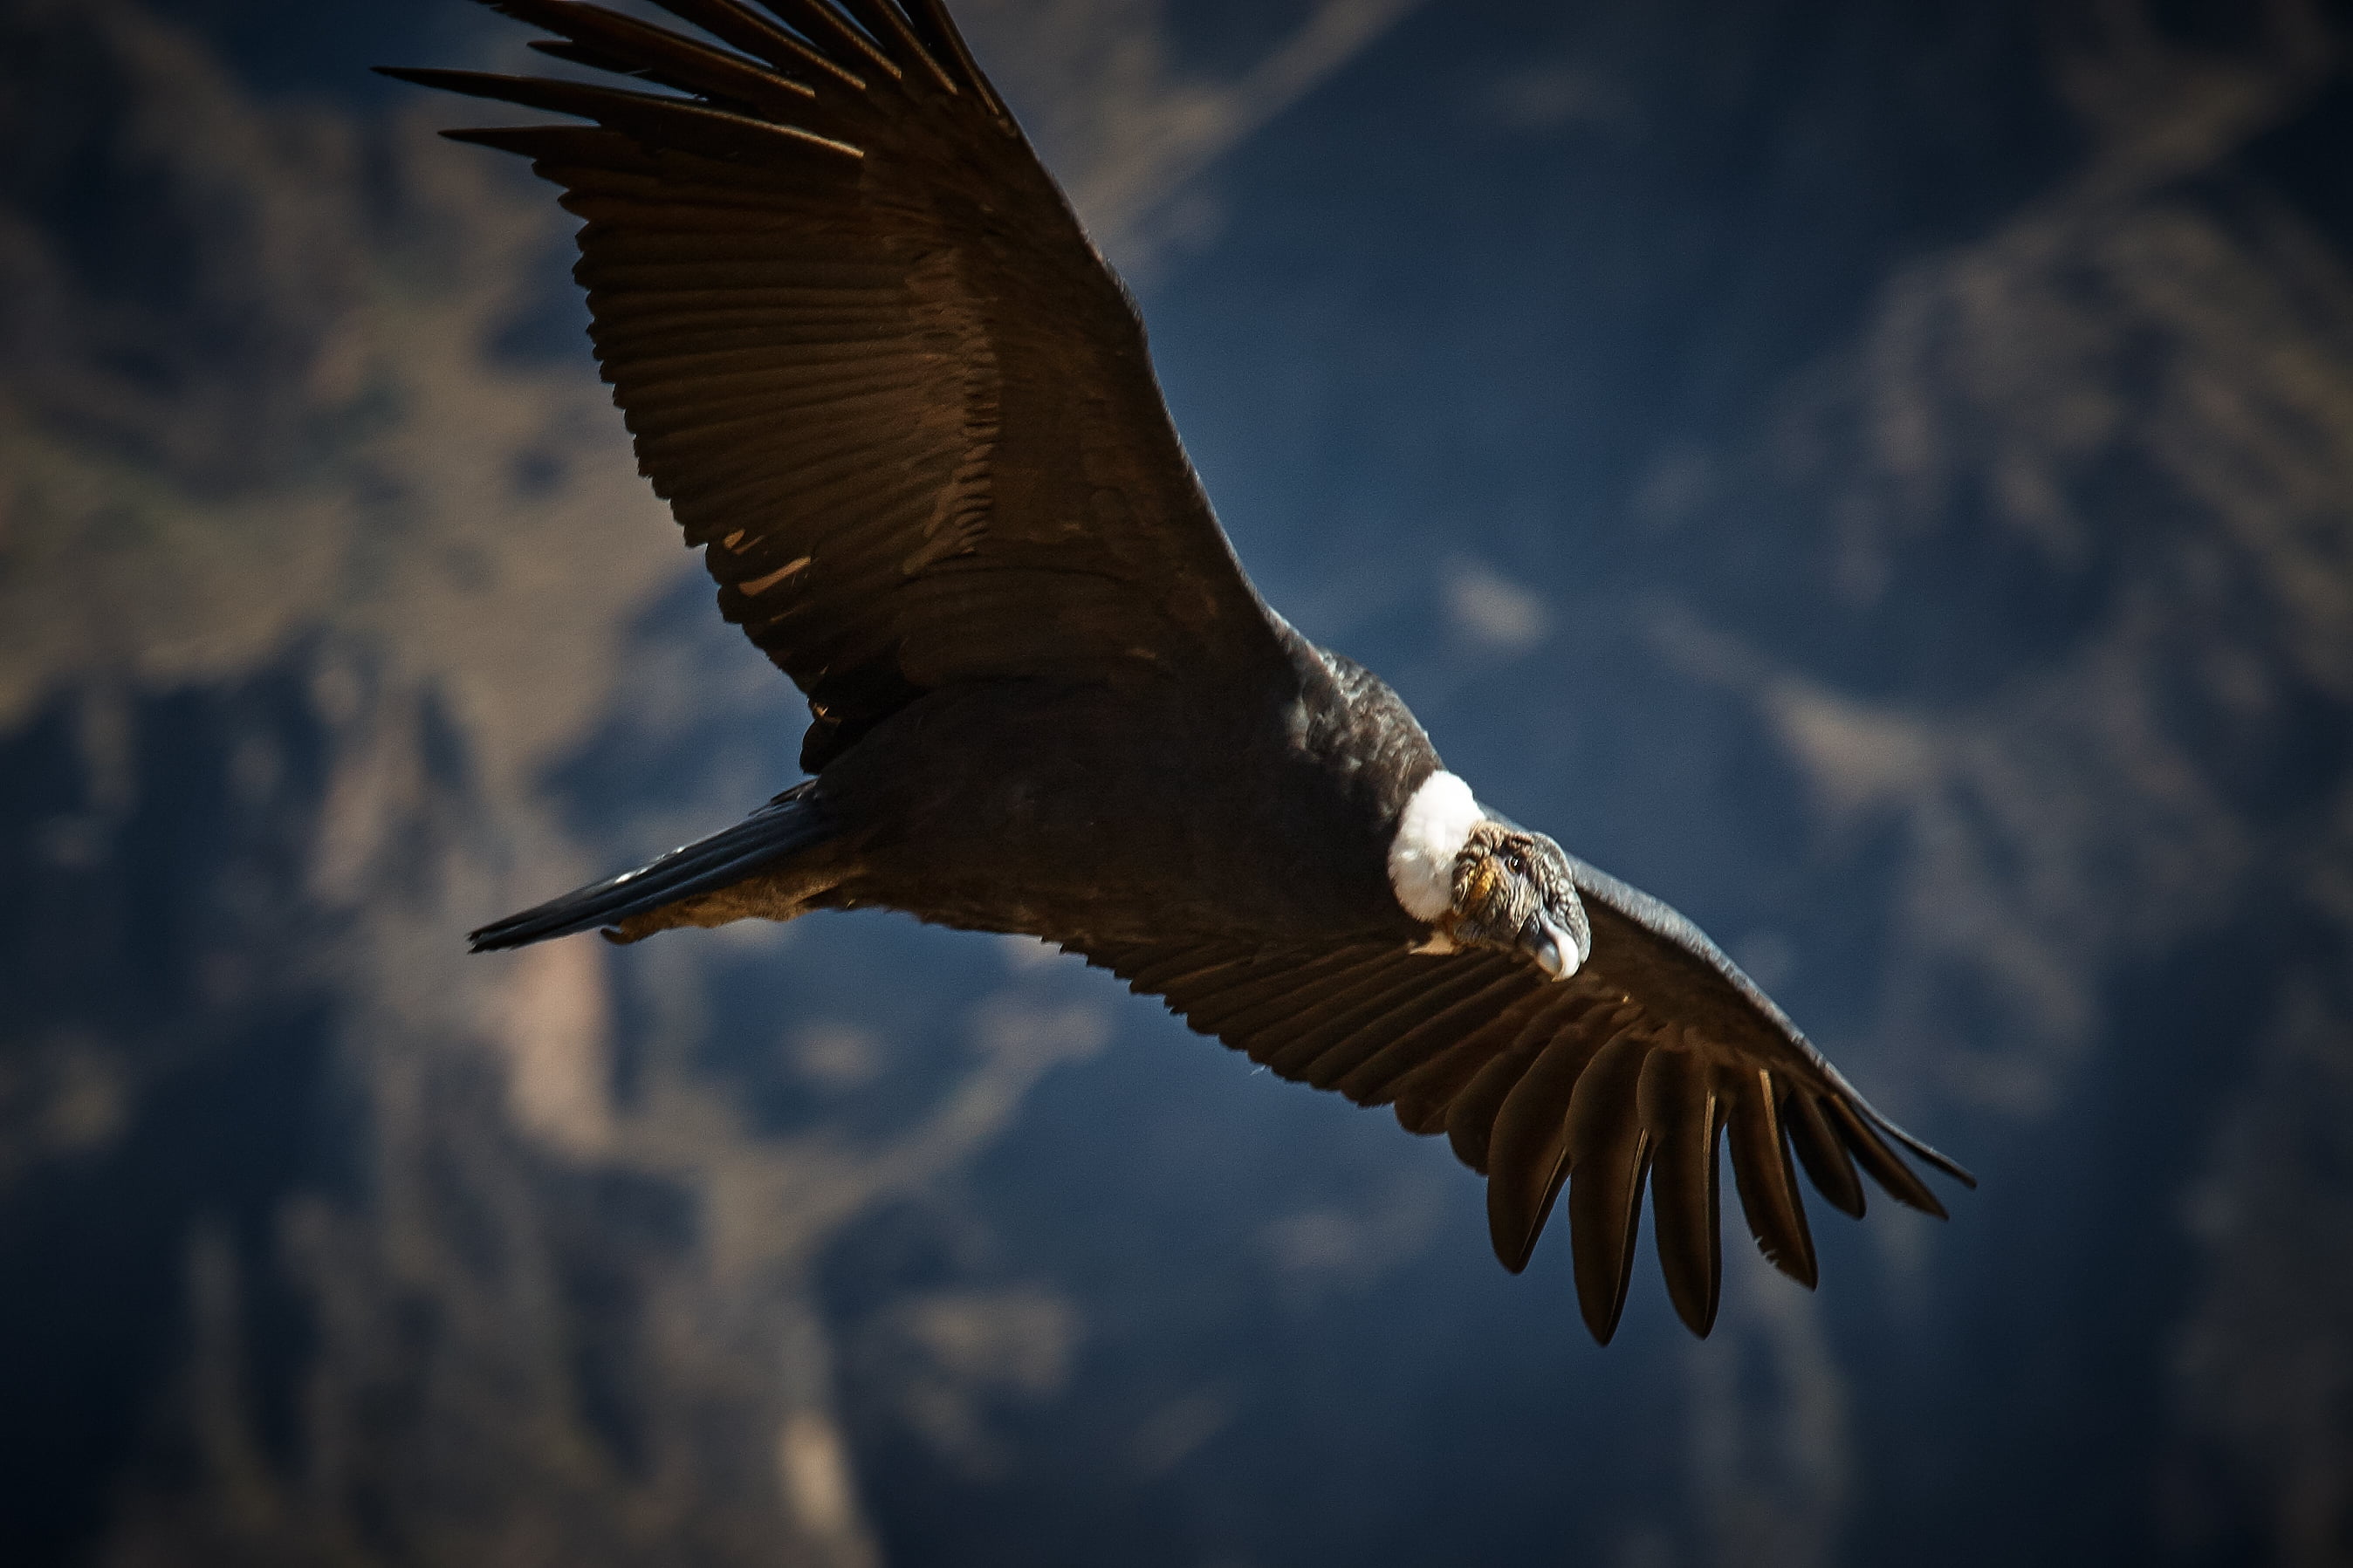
792	821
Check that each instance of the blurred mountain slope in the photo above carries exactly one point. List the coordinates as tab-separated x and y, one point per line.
1878	478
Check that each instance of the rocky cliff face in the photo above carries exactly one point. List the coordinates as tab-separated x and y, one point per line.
1877	477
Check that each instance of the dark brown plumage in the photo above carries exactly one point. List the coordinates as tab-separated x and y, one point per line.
871	360
1617	1071
867	355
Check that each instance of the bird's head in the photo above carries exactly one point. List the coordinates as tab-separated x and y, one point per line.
1480	881
1513	891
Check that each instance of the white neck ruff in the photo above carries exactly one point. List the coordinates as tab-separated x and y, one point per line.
1436	823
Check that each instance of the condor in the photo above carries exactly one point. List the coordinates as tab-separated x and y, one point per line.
871	360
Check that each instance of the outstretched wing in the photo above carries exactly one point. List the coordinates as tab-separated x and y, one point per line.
869	357
1631	1072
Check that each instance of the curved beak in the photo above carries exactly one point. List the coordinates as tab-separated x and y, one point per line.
1553	946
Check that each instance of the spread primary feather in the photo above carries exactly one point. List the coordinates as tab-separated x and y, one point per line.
867	353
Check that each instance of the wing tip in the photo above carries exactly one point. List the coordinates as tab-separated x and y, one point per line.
1805	1272
1938	1160
1602	1309
1871	1116
1858	1125
1514	1236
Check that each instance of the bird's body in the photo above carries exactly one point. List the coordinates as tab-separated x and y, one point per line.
867	354
1130	814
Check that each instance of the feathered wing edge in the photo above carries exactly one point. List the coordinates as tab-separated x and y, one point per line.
1669	924
819	44
1542	1086
845	310
1538	1087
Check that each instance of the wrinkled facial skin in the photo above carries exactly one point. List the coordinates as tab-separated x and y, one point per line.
1513	891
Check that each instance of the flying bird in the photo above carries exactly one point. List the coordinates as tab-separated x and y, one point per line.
869	357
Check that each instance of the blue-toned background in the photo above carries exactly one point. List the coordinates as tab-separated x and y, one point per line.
1878	475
